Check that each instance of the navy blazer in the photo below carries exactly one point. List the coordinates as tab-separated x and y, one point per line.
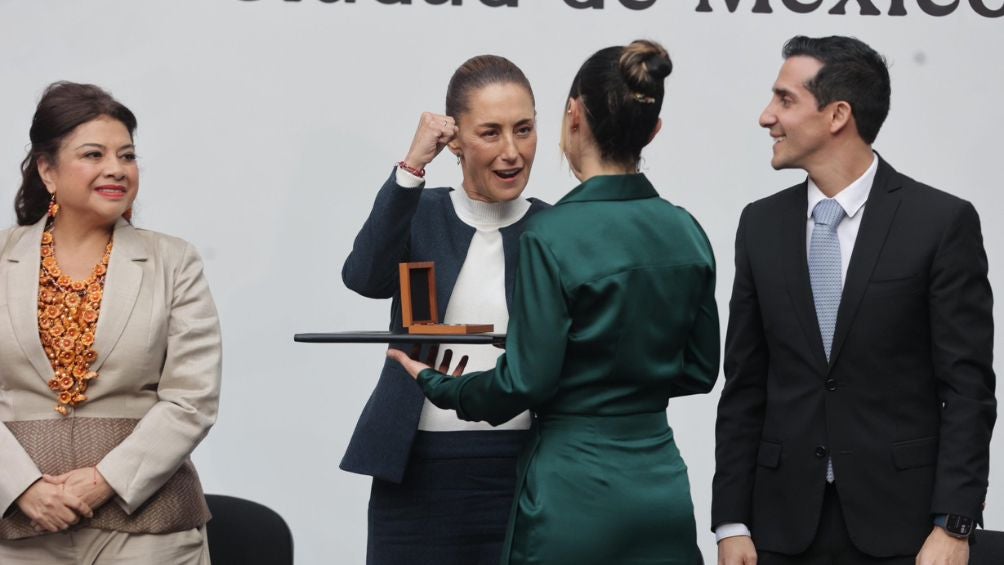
406	225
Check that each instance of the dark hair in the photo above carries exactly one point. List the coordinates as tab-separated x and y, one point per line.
852	72
478	72
63	107
622	91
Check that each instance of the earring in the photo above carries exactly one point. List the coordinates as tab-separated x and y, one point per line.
53	206
458	160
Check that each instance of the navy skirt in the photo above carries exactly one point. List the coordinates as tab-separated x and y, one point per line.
453	505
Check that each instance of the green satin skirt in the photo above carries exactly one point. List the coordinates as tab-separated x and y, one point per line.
604	490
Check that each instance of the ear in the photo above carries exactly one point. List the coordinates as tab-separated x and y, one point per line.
655	130
454	146
840	115
47	172
574	111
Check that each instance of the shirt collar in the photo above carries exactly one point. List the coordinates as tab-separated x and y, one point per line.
853	197
611	187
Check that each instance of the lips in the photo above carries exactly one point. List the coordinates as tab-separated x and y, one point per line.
111	191
508	174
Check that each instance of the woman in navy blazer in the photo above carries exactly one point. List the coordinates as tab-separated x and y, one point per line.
442	487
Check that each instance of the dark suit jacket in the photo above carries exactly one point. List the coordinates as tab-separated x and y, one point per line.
906	404
408	224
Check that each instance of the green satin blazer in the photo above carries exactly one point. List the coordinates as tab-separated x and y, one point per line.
613	311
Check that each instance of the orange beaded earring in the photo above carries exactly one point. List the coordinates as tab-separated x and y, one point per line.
53	206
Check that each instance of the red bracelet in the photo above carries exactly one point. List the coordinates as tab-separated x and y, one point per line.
420	173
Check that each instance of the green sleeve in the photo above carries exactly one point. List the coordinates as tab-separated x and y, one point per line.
702	353
526	375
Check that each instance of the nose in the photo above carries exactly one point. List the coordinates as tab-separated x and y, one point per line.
767	117
509	150
114	168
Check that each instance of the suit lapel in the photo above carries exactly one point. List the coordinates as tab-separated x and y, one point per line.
796	269
122	284
24	262
879	213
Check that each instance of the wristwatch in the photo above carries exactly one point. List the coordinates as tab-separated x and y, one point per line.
955	525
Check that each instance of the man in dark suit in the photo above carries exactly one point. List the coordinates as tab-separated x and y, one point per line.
855	422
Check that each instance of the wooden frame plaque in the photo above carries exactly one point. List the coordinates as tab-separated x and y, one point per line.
419	309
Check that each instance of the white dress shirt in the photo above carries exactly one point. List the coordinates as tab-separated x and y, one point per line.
852	199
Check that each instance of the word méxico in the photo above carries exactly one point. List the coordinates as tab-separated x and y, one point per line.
866	7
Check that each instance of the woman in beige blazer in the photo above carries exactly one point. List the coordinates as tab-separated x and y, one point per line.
109	355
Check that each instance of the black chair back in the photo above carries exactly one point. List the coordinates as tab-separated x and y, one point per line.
987	548
242	532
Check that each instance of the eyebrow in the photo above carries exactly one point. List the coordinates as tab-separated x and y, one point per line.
99	146
782	91
497	125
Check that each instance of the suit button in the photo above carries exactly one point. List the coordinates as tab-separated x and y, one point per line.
821	451
831	384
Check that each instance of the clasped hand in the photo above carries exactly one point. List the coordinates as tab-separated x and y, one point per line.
54	503
414	365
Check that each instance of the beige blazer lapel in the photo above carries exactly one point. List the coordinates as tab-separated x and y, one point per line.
122	285
24	261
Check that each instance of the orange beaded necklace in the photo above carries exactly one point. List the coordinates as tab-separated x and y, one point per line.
67	318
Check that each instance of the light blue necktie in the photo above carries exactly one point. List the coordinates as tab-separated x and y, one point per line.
825	275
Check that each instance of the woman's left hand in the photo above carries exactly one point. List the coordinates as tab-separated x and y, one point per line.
414	366
85	483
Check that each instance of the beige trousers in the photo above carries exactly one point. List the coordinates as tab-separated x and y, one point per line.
89	546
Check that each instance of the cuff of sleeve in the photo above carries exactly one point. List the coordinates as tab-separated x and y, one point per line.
119	484
434	387
731	530
406	179
16	489
18	471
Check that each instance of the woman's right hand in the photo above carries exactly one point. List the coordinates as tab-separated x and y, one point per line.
413	363
51	508
433	133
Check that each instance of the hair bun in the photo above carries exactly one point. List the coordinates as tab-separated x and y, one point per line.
644	65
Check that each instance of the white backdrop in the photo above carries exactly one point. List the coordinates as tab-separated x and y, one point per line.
267	126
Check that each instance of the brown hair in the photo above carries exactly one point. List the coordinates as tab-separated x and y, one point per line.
622	91
64	106
479	72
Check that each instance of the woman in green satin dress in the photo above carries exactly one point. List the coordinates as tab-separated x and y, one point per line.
613	314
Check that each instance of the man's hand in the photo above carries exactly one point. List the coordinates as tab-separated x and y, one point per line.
50	508
737	550
943	549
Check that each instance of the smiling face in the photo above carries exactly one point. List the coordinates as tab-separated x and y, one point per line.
496	142
94	176
800	129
